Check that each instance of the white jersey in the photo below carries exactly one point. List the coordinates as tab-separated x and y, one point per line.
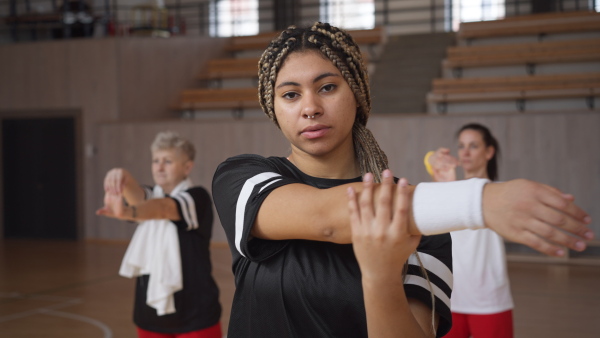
481	284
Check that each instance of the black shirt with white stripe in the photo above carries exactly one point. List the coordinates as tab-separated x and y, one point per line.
197	305
301	288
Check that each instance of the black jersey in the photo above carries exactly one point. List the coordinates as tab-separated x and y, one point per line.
302	288
197	305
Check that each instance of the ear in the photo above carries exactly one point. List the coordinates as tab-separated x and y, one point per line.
187	167
489	152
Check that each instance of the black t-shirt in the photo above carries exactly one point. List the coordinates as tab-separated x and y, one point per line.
301	288
197	305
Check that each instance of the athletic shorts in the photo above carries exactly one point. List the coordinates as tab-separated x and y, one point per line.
210	332
495	325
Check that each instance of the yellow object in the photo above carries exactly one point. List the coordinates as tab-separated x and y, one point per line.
427	164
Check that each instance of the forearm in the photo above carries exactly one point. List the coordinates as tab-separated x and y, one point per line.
309	213
160	208
389	312
133	193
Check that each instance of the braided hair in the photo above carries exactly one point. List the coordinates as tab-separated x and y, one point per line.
338	46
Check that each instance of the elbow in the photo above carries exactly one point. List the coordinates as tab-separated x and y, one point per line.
333	233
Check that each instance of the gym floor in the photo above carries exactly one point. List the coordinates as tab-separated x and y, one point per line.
72	289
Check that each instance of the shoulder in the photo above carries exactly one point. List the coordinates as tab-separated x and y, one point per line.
243	167
247	160
198	193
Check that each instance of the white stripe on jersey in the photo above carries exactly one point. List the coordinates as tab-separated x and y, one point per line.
148	192
268	184
191	206
435	266
242	201
185	209
422	282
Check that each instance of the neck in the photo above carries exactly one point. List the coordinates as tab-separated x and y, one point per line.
336	165
168	189
480	173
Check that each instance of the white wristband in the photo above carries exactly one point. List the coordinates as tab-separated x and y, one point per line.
442	207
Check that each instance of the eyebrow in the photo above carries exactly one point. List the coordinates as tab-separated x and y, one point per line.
316	79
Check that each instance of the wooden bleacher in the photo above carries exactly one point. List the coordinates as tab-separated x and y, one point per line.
536	24
579	50
516	88
230	68
203	98
237	100
554	84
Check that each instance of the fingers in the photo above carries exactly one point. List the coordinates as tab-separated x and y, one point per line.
553	235
114	180
401	204
365	201
383	203
354	211
565	214
539	244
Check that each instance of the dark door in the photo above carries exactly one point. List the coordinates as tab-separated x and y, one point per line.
39	178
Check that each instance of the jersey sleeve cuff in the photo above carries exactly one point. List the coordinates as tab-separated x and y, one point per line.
442	207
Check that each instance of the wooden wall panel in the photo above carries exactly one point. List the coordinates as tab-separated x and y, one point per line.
561	149
33	75
105	79
154	71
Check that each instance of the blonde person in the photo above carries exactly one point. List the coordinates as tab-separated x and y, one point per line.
176	296
287	219
481	299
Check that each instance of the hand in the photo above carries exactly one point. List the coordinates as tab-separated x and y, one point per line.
537	215
114	207
443	165
380	236
116	179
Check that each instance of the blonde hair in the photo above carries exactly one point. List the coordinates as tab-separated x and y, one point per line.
172	140
338	46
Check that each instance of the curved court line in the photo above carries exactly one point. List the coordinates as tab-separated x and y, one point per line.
51	310
107	331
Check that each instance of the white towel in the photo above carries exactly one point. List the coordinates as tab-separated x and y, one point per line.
154	250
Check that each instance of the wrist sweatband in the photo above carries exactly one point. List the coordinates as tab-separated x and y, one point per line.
427	164
442	207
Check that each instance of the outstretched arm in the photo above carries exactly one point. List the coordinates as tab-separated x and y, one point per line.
523	211
382	244
158	208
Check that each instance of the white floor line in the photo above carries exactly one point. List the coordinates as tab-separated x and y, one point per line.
51	310
107	331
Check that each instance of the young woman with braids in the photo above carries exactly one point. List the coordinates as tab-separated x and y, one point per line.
481	299
288	219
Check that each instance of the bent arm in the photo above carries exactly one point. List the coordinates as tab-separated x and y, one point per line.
299	211
120	181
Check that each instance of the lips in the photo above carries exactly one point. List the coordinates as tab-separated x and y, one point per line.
315	131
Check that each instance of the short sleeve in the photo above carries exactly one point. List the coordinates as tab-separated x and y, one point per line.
195	210
434	254
240	185
148	191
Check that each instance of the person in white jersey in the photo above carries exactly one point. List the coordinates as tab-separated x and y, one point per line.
481	299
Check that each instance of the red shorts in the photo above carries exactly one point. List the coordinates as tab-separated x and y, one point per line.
210	332
495	325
